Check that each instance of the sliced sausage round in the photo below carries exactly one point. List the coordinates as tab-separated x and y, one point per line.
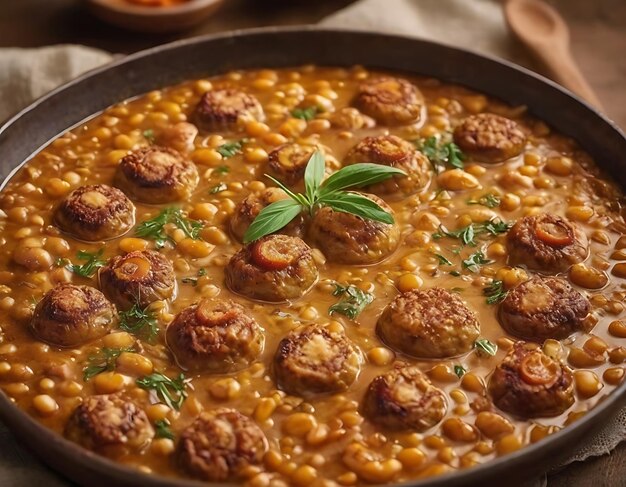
391	101
288	162
223	109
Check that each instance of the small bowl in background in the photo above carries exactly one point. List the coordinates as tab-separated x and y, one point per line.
172	18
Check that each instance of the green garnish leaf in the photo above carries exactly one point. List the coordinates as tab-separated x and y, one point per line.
230	149
61	262
489	200
103	361
162	429
455	273
353	302
459	370
441	154
171	392
149	136
139	320
484	346
468	233
475	260
194	280
495	292
320	193
155	228
221	170
88	268
218	188
305	113
442	260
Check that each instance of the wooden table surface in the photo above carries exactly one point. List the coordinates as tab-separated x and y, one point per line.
34	23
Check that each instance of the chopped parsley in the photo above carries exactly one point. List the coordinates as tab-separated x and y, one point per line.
218	188
162	429
495	292
475	260
155	228
489	200
87	269
220	170
139	320
194	280
467	235
103	361
459	370
485	347
442	260
172	392
231	149
305	113
441	154
149	136
353	302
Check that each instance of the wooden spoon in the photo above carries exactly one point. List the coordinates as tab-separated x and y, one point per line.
544	31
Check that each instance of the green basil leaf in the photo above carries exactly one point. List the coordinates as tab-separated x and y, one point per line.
357	205
294	196
272	218
314	174
358	175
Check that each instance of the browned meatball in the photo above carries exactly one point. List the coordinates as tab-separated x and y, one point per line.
274	268
215	336
543	307
314	359
490	138
288	162
179	137
96	212
70	315
530	384
106	422
404	398
429	323
349	239
219	444
157	175
391	101
140	277
250	207
393	151
222	109
547	243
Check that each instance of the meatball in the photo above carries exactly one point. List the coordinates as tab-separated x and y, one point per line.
530	384
219	444
546	243
543	307
288	162
404	398
215	336
70	315
274	268
140	277
109	421
248	209
157	175
389	150
222	109
95	212
179	137
429	323
314	359
490	138
345	238
349	118
391	101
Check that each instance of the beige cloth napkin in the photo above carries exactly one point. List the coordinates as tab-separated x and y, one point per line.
26	74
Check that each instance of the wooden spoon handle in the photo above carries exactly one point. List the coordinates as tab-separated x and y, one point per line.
564	70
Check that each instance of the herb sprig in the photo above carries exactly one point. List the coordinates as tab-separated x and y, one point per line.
148	134
467	235
330	193
489	200
307	114
353	302
138	320
441	153
218	188
194	280
485	347
88	269
495	292
103	361
231	149
171	392
162	429
459	370
475	260
155	228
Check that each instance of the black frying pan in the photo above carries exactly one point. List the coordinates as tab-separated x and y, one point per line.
166	65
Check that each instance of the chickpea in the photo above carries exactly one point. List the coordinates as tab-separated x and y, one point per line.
381	356
617	355
619	270
458	430
511	276
299	424
492	425
443	373
131	244
408	282
264	409
45	405
581	358
33	258
510	202
587	277
613	375
109	382
457	180
120	339
195	248
560	166
587	383
579	213
134	364
508	444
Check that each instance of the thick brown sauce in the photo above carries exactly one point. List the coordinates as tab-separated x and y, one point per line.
89	153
